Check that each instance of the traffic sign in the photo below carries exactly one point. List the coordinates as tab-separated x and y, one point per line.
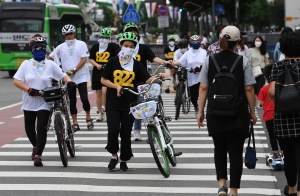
131	15
219	10
163	21
162	10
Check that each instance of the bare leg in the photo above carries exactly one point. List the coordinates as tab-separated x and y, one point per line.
104	96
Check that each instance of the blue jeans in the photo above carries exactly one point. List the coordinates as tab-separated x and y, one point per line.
138	123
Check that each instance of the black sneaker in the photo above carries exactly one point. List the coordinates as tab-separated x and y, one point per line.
223	191
286	191
112	164
167	90
123	166
37	161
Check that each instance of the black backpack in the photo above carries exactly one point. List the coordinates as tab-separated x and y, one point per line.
287	89
223	94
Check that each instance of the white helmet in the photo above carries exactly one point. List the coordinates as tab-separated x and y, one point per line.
68	29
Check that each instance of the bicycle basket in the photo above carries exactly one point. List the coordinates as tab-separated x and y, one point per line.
52	93
153	92
143	110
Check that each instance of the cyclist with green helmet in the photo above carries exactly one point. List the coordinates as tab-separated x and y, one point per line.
142	54
119	121
99	56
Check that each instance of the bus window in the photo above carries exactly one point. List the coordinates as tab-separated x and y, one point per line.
21	25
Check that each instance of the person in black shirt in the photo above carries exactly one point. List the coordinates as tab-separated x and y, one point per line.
122	71
142	53
169	55
99	56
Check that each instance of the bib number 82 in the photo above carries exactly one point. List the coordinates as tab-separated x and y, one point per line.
124	78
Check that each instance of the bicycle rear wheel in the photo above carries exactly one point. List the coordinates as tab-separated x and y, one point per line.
71	143
168	136
158	152
59	127
178	100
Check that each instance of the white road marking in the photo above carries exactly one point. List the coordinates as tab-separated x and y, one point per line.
177	146
129	189
10	106
111	176
19	116
130	165
1	123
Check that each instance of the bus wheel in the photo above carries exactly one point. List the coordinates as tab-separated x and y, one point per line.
11	73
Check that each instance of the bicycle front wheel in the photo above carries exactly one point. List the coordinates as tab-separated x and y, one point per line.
59	127
158	152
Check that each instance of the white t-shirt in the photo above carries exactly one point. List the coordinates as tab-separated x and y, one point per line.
193	60
28	76
70	61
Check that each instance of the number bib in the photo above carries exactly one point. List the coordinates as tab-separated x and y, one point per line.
103	57
124	78
171	54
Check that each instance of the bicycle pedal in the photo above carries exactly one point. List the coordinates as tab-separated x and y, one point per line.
168	118
177	154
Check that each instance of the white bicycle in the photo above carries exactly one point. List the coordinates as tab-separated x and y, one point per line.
151	110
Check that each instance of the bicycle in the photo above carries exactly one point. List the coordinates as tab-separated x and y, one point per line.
159	136
59	119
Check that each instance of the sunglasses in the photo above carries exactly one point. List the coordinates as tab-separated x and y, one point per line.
40	48
67	34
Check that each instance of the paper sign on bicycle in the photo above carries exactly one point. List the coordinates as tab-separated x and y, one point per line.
153	92
143	110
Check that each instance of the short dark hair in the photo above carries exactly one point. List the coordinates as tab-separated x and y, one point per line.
286	30
290	44
267	71
263	47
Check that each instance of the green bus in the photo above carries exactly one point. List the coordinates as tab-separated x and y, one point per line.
19	21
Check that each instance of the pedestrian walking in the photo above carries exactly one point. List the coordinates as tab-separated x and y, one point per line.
287	125
73	54
119	120
230	127
277	51
32	76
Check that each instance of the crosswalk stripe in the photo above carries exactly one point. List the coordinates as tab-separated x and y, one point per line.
170	127
188	146
106	154
105	138
127	176
130	165
130	189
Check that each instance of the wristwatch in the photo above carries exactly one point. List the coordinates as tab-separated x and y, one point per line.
75	69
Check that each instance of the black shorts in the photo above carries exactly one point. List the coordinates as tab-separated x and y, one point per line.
96	85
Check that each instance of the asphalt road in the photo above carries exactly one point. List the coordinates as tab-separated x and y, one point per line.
87	173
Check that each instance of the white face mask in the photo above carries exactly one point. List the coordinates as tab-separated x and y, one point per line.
70	42
183	50
257	44
103	44
125	55
171	43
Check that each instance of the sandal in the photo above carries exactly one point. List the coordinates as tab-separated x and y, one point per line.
76	127
90	126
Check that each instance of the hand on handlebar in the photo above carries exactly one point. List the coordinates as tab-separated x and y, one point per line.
163	75
71	72
195	70
33	92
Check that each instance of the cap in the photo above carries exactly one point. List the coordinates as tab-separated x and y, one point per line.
231	33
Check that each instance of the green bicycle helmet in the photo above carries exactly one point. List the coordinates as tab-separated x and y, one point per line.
128	36
130	25
120	35
105	32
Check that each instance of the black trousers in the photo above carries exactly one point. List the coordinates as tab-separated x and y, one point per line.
260	81
115	118
37	139
291	148
273	140
232	143
82	88
194	90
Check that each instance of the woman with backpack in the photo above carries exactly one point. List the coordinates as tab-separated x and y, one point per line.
287	124
230	127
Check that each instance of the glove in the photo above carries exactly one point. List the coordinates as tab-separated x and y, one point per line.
71	85
196	69
33	92
71	72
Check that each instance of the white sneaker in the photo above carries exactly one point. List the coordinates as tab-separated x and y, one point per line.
137	135
103	117
99	118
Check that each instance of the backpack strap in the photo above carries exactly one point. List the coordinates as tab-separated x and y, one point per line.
215	62
235	63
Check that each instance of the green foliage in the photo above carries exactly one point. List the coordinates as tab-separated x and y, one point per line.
155	31
109	16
